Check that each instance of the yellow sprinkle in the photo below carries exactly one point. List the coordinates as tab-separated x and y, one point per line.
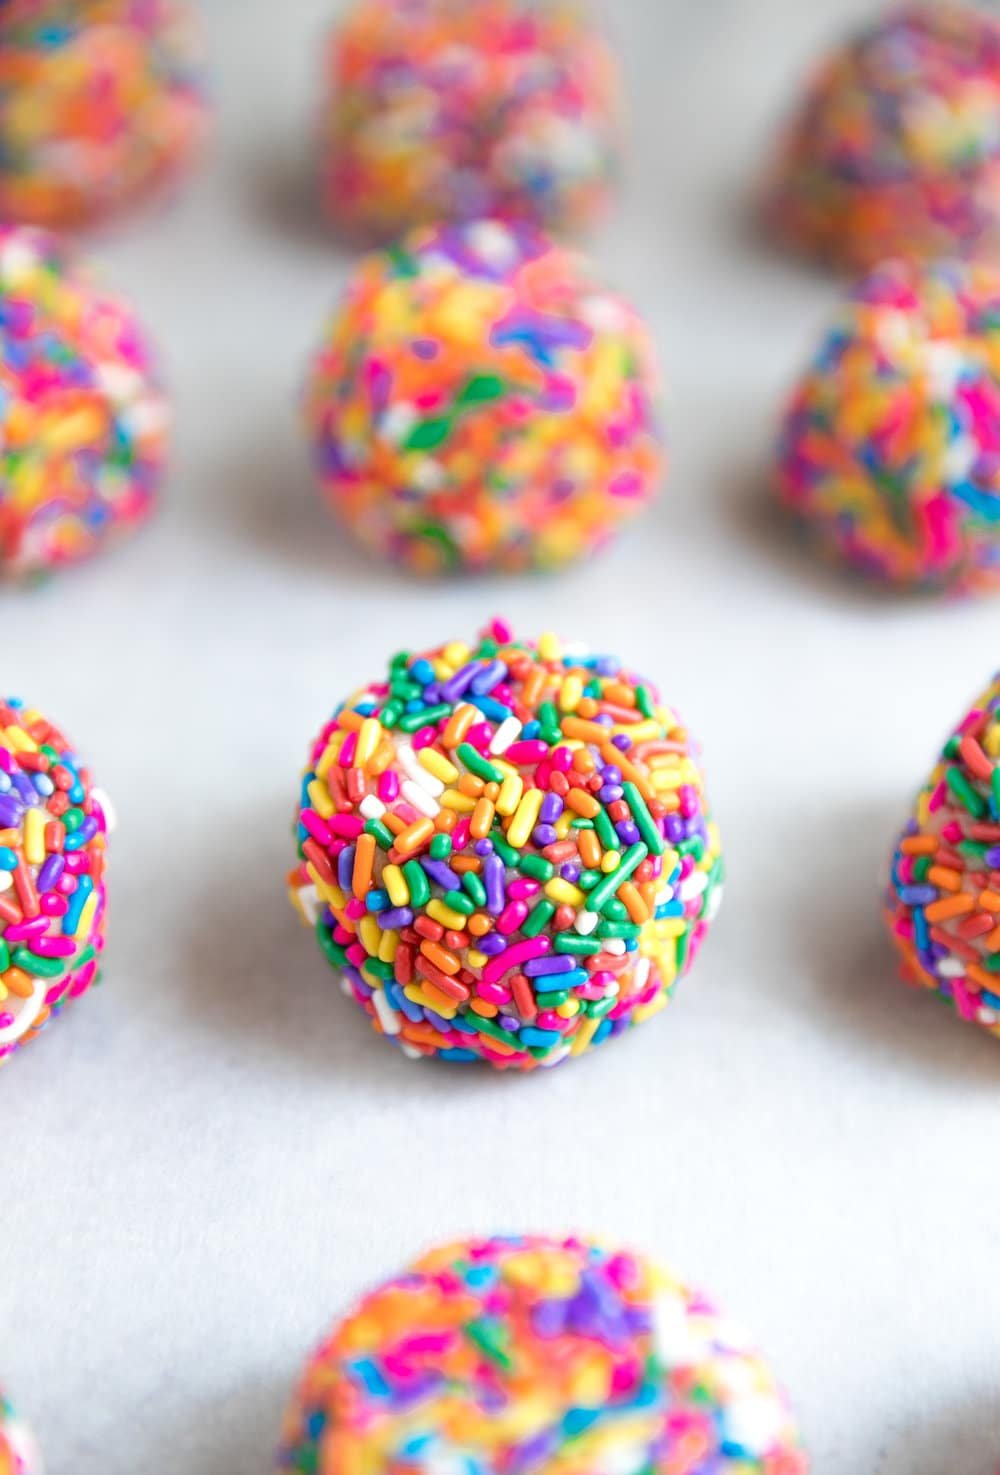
20	741
510	793
571	693
387	947
569	1010
476	959
444	914
525	818
395	884
583	1036
640	732
610	861
370	934
369	737
319	798
563	823
456	654
560	890
461	803
330	754
549	647
437	764
416	995
34	836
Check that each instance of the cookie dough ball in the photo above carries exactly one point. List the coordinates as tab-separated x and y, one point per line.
482	402
18	1455
943	901
895	149
53	843
101	105
528	1353
890	448
83	420
438	110
506	851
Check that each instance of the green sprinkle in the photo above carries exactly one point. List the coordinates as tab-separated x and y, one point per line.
605	889
553	1000
459	902
507	853
548	719
606	832
414	721
537	867
488	1335
644	821
487	1027
429	434
23	958
440	847
587	880
962	790
480	389
382	833
73	819
570	942
335	954
377	968
391	713
644	701
615	910
4	956
597	1008
538	918
478	765
618	929
403	263
475	888
416	880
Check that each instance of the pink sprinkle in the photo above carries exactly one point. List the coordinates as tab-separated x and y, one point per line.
348	826
513	957
532	751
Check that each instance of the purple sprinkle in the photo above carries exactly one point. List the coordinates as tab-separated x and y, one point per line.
441	873
11	810
493	879
555	963
345	867
492	944
552	808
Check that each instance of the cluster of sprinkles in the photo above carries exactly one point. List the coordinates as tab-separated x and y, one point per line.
83	422
895	149
505	850
943	901
482	401
521	1354
439	110
18	1455
53	842
890	448
102	103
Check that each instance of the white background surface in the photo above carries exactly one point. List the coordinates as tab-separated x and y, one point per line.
211	1157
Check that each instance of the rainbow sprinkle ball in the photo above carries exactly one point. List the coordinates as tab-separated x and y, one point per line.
889	452
505	850
439	110
18	1454
943	900
53	841
102	105
83	421
482	402
524	1354
895	148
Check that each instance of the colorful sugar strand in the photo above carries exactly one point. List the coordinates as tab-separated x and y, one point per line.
437	110
524	1355
83	422
53	844
890	448
102	104
481	402
943	900
895	150
18	1455
505	851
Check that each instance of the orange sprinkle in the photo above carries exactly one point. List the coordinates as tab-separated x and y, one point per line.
590	848
420	833
470	785
975	759
950	906
944	878
634	903
482	819
458	724
440	957
582	803
989	901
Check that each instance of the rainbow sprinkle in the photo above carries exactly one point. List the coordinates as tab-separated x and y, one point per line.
890	447
480	402
520	1354
101	105
18	1455
943	901
53	842
505	850
437	110
83	421
895	149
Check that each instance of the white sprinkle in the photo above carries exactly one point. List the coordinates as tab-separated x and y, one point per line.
372	807
103	798
951	968
17	259
615	946
586	922
693	886
420	775
556	1056
397	422
987	1017
419	798
387	1016
753	1424
641	973
411	1052
714	903
310	903
6	880
508	732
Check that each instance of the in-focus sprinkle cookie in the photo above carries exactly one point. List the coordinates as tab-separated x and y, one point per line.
506	851
438	110
895	148
890	448
537	1356
53	847
83	420
102	104
18	1453
481	401
943	902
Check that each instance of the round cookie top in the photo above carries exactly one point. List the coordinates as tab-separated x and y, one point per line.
943	900
439	110
482	401
895	149
542	1357
506	850
101	104
53	842
18	1454
890	447
83	420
